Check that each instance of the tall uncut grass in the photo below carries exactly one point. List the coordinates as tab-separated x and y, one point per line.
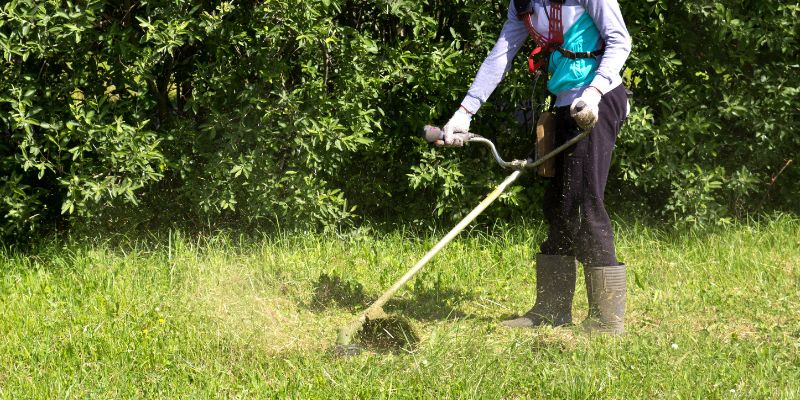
712	314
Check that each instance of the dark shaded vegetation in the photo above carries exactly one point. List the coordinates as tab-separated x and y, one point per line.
262	114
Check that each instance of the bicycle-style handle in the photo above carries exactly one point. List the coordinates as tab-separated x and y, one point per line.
434	134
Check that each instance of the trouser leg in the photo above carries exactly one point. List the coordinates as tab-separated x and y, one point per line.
578	224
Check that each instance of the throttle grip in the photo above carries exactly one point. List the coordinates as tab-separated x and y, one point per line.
432	133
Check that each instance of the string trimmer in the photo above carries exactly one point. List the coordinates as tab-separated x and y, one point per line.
344	339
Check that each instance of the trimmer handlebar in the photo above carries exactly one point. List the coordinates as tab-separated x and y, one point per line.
434	134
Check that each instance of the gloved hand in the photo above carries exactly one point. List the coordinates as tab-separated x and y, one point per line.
586	108
459	123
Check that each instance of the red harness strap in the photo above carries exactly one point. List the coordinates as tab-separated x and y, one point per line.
555	38
556	28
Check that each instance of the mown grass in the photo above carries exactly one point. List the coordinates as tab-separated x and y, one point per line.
712	314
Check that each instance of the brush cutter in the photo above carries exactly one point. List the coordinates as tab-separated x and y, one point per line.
344	339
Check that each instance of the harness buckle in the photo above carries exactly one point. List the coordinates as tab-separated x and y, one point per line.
535	65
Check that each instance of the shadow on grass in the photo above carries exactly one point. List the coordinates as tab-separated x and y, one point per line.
425	304
333	291
430	304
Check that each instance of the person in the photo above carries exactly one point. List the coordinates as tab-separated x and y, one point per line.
585	80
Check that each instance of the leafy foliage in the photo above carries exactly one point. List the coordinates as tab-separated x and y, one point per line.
266	112
717	118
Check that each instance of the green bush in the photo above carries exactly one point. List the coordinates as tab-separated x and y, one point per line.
716	107
305	115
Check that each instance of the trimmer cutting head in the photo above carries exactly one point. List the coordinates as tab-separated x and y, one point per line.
381	334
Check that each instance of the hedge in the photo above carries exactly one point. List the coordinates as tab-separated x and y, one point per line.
265	113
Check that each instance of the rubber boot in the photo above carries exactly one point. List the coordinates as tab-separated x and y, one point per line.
605	290
555	287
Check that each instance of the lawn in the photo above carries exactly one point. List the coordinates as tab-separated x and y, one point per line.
713	313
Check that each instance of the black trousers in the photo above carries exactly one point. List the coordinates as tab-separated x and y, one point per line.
578	224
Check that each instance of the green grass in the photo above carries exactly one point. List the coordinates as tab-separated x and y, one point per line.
712	314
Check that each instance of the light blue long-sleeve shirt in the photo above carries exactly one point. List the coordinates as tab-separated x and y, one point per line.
607	18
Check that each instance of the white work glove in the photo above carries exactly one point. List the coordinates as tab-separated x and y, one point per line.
459	123
586	108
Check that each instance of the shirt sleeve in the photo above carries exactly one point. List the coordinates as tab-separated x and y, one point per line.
608	19
499	61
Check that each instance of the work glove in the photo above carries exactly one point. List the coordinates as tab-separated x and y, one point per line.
586	108
459	123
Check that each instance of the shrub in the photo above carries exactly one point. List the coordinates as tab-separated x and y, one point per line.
265	112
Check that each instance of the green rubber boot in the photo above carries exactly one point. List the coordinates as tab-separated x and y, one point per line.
555	287
605	290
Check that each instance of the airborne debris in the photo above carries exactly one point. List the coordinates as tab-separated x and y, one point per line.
390	333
